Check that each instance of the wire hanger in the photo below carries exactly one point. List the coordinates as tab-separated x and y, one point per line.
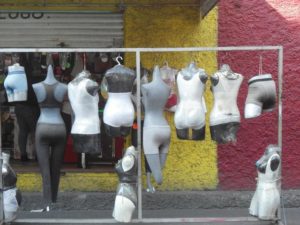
119	58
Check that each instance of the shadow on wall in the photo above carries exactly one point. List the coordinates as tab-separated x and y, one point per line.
271	22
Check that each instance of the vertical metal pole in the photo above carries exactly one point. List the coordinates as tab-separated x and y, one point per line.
1	181
280	79
139	136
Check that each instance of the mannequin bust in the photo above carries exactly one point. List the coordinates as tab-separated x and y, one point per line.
190	112
50	134
225	115
266	199
126	199
84	99
156	130
261	95
118	115
16	83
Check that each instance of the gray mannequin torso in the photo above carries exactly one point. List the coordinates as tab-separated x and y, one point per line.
155	95
50	115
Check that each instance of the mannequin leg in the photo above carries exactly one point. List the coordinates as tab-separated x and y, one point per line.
43	160
56	161
23	131
154	164
163	158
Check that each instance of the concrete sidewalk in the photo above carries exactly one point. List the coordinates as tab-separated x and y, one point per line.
184	207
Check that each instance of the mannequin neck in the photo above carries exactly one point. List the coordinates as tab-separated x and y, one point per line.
156	74
50	78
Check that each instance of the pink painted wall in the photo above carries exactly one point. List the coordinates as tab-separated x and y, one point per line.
260	22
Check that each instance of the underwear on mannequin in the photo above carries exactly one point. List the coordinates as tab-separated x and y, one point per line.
191	109
118	115
261	95
126	199
225	115
266	199
156	139
168	75
16	83
84	99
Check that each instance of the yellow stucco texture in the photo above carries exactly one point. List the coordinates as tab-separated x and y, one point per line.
71	182
191	165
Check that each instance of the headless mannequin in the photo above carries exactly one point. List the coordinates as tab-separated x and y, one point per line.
50	134
118	115
266	199
16	83
126	198
190	112
156	131
168	75
225	115
84	99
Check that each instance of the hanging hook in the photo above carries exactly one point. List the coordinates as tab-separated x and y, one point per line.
166	63
119	58
260	68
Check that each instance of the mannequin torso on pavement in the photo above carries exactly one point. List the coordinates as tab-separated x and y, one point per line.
190	111
225	115
156	130
118	115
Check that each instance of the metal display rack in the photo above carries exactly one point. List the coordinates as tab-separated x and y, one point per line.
138	52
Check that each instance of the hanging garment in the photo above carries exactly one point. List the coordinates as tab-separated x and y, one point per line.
190	111
15	83
261	95
118	115
225	115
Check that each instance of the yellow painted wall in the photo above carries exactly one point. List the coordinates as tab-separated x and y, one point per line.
190	165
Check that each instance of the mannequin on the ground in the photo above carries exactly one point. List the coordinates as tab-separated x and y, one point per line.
50	134
190	112
11	195
156	131
118	115
225	116
266	199
261	95
168	74
84	99
126	199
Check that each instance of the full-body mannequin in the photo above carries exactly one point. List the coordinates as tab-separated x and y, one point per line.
126	199
50	134
156	131
225	115
190	112
118	115
84	99
266	199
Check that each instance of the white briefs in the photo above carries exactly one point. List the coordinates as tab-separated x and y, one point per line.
119	110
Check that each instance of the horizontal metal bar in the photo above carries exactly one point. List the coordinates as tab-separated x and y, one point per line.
188	49
145	220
